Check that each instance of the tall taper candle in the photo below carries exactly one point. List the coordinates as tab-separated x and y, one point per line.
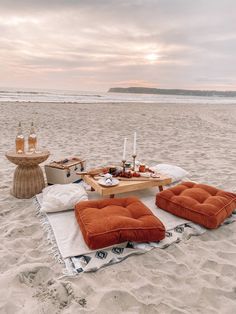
135	138
124	150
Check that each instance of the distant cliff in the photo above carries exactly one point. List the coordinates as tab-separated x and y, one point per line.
160	91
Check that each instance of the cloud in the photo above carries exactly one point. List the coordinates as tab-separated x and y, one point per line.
106	42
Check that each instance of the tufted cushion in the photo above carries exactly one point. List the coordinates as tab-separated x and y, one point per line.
199	203
111	221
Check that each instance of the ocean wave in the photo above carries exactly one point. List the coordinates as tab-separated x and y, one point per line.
55	96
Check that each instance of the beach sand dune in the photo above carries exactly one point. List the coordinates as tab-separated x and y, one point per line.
194	276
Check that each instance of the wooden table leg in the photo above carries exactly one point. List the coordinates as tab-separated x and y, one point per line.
160	188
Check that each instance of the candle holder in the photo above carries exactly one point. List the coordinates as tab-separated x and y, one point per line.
123	165
134	157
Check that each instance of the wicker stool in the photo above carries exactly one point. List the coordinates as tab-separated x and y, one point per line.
28	177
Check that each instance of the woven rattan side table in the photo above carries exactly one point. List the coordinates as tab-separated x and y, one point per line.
28	177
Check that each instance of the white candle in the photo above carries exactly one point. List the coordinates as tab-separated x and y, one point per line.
135	138
124	150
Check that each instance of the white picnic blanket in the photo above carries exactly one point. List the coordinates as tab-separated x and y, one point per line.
67	233
79	258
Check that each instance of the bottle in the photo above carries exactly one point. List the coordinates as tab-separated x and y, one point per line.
32	139
20	141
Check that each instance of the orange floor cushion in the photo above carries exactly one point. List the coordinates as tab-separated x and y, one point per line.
200	203
111	221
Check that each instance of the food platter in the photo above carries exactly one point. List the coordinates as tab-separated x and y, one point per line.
118	174
142	178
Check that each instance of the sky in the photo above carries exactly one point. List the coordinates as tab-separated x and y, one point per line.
92	45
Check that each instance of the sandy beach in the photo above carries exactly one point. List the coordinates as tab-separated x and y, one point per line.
193	276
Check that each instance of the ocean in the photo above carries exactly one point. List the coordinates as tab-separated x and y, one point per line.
35	95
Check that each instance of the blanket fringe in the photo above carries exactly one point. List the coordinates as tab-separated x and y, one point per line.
50	238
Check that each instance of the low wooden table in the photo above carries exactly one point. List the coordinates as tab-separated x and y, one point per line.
28	177
125	185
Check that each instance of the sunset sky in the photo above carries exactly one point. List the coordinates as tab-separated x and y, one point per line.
98	44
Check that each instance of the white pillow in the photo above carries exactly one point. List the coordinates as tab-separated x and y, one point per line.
174	172
59	197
